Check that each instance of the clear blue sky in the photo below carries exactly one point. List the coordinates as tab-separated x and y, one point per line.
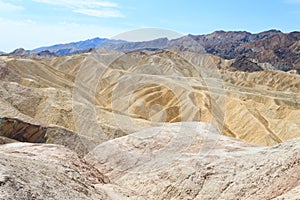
34	23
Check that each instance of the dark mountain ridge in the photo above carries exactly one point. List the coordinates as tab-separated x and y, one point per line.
281	50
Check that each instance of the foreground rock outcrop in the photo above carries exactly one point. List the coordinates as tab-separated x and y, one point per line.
35	171
193	161
175	161
13	130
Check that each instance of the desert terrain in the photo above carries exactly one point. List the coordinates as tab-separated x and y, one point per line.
188	118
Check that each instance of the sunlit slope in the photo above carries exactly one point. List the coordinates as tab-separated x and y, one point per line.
122	93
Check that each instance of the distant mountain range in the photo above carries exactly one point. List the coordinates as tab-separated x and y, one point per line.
77	47
280	50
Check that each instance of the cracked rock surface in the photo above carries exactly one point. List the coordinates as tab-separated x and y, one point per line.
176	161
159	164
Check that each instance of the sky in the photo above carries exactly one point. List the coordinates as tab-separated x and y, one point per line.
34	23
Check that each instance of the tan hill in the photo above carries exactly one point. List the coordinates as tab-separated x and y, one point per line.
104	95
259	107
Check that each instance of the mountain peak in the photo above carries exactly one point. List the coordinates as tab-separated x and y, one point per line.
19	52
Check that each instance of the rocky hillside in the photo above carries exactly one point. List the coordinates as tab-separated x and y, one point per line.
281	50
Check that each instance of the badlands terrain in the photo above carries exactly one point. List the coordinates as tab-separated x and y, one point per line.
200	117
